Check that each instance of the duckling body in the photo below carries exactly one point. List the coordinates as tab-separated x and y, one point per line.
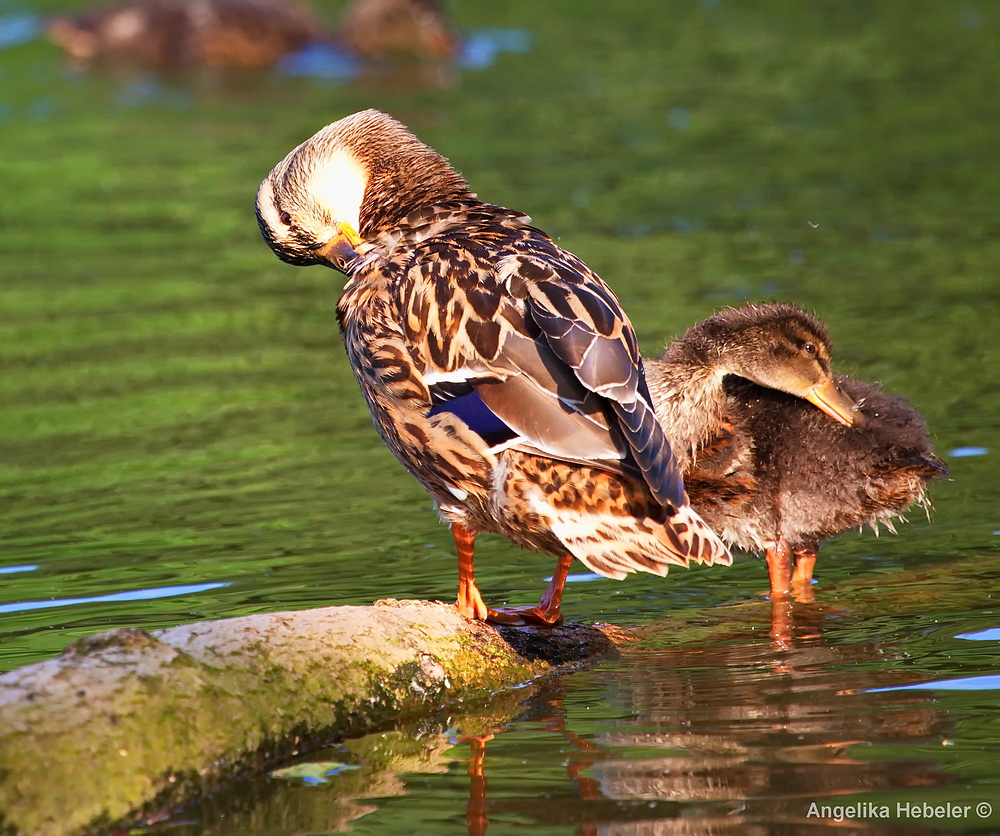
826	478
498	368
766	469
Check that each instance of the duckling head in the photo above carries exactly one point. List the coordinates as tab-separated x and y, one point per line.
327	201
779	346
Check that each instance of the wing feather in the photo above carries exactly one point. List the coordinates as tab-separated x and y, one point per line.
549	350
605	359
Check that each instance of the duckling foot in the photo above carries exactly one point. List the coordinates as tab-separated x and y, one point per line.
805	560
536	616
779	568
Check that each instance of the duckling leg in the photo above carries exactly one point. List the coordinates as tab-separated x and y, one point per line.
779	568
805	561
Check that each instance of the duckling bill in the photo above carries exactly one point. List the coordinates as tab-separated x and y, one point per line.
500	370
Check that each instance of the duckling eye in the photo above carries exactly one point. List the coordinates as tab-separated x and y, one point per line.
809	349
285	218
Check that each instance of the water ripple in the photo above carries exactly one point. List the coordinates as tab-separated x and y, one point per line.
131	595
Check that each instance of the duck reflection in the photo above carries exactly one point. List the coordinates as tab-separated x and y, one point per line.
731	739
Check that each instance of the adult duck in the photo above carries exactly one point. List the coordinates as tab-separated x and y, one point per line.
500	369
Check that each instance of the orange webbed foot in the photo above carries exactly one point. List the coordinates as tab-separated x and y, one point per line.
535	616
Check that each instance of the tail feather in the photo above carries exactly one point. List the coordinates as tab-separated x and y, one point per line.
616	546
610	522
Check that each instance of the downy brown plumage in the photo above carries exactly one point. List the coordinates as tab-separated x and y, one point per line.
767	470
498	367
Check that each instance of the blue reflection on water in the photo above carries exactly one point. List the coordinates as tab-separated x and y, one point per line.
329	62
480	49
963	452
583	577
993	634
10	570
132	595
965	683
320	60
18	29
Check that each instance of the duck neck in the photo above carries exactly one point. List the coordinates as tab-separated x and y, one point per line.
689	401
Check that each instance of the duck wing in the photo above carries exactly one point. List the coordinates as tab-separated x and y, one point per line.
535	353
585	327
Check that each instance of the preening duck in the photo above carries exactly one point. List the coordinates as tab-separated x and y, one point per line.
500	370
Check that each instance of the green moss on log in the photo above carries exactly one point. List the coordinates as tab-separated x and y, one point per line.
128	721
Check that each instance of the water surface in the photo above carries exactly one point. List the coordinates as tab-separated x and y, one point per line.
181	438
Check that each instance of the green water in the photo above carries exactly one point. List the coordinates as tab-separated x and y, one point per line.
177	417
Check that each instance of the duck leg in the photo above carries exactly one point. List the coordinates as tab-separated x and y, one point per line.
546	612
779	568
476	811
805	561
470	602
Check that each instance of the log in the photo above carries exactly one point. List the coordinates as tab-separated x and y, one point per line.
127	723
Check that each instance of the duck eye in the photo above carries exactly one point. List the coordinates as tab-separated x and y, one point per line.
809	349
285	218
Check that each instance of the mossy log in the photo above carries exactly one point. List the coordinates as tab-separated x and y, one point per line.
127	722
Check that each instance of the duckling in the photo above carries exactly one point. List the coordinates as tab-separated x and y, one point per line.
166	34
769	471
376	29
499	369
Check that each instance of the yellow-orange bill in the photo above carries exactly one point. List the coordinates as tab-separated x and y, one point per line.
833	402
342	247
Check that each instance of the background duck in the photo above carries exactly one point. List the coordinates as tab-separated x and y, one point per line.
376	29
500	370
769	471
247	34
174	34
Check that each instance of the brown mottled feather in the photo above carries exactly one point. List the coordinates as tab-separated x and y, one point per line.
524	381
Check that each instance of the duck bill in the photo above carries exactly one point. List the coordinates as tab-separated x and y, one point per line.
342	249
833	402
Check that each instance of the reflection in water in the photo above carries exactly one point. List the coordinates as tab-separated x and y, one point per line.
12	570
712	739
327	61
966	452
750	732
290	799
964	683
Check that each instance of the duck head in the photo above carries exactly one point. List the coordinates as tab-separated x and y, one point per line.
328	200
